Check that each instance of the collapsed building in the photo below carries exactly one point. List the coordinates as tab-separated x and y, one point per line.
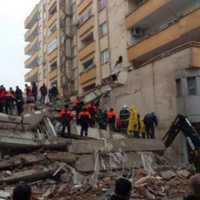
74	167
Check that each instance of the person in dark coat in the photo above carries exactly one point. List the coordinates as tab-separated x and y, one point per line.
43	92
150	121
122	191
19	100
22	192
34	91
101	119
195	188
84	118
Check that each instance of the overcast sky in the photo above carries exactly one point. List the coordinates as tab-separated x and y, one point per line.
12	16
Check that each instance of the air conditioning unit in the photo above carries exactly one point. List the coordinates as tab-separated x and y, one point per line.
139	2
137	32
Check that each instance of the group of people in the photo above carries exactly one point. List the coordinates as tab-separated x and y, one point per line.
11	100
33	93
127	121
122	190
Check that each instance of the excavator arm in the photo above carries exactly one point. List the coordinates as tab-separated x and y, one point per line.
182	124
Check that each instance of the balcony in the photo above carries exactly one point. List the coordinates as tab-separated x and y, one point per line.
143	11
83	5
87	76
33	61
52	37
32	18
154	14
32	33
53	74
53	55
52	19
32	76
32	47
195	61
85	27
185	30
87	51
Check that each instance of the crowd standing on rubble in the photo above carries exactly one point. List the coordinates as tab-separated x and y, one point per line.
128	121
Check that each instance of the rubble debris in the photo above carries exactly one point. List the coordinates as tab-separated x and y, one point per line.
28	175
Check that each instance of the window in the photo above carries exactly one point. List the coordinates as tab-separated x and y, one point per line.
178	88
89	63
52	46
103	29
192	86
52	29
85	16
102	4
105	57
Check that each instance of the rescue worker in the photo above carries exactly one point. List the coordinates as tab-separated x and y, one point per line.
77	107
124	115
133	122
122	191
194	186
66	118
92	110
142	129
150	121
101	119
111	118
84	118
19	100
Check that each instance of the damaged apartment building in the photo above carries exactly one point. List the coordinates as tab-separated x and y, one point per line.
75	44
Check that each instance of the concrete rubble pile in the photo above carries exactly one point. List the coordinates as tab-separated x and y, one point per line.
81	168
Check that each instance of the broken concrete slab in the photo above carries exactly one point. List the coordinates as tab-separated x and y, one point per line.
28	144
28	176
121	145
137	145
85	163
62	157
183	173
167	175
85	146
21	160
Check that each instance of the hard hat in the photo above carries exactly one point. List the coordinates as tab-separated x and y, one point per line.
125	106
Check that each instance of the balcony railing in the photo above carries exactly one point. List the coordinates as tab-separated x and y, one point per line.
87	51
88	76
185	30
143	11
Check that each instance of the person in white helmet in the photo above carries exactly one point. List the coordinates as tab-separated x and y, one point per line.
124	115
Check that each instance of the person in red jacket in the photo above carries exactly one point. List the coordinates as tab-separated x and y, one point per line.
92	110
84	118
111	118
2	98
66	117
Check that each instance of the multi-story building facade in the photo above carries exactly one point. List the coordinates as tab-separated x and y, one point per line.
158	41
50	63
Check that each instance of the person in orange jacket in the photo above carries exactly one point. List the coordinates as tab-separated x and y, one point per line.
66	117
84	118
111	118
